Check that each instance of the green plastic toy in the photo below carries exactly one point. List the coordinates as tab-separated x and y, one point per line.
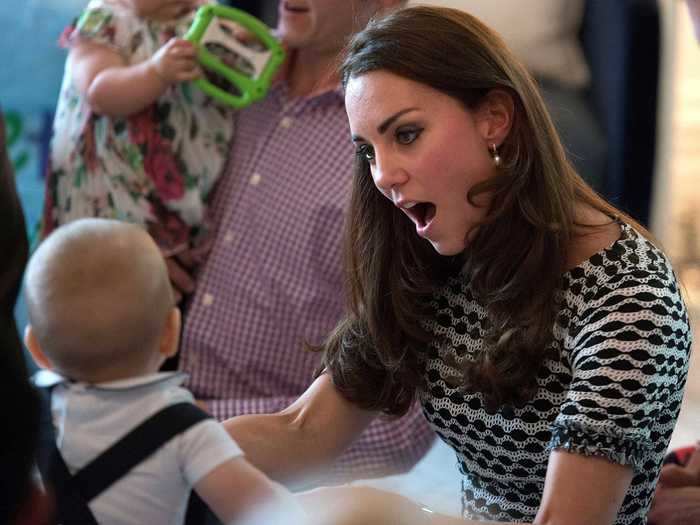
237	73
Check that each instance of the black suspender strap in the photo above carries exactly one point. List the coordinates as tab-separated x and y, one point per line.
135	447
73	493
71	507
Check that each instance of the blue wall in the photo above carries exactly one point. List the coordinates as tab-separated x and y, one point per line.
29	83
32	60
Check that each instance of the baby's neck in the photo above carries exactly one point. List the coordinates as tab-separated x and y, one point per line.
123	4
109	374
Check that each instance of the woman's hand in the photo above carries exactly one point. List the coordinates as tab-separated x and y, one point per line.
677	497
675	506
687	475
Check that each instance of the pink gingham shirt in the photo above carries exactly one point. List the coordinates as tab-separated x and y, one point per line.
273	278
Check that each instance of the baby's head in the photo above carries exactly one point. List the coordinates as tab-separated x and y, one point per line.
100	303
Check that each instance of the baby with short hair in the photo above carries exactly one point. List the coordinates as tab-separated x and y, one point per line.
102	315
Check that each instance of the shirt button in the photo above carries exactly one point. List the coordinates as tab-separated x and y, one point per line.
228	238
255	179
208	299
286	122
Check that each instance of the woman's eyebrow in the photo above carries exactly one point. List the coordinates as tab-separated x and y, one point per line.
385	125
388	122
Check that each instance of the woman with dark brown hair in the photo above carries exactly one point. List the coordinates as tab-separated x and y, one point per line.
540	328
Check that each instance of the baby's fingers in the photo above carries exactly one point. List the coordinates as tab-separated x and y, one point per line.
189	73
177	47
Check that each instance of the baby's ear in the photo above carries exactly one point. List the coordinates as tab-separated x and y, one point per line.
170	338
32	344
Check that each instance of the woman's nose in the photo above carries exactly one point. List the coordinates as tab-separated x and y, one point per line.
387	173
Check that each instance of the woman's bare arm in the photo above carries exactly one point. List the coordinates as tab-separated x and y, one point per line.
296	444
582	490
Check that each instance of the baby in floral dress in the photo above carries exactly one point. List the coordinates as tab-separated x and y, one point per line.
134	140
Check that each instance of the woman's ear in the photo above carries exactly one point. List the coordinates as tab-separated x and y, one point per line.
494	116
170	338
32	344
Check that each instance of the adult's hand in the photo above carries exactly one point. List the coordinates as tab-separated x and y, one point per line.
675	506
183	265
688	475
677	498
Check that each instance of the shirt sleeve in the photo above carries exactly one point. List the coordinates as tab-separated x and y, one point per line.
629	350
204	447
103	25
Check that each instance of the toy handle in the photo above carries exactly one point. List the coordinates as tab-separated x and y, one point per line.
251	89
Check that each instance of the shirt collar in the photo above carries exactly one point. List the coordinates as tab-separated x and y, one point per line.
47	378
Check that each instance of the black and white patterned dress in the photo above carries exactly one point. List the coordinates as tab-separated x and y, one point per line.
623	340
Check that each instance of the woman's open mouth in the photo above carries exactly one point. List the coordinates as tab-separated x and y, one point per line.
421	213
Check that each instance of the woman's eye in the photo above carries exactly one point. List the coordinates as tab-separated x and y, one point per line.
366	152
407	136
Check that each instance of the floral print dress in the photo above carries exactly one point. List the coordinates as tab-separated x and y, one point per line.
154	168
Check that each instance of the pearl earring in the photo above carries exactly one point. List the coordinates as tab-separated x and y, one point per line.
494	154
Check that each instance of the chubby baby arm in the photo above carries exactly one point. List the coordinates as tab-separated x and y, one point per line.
357	505
237	492
115	88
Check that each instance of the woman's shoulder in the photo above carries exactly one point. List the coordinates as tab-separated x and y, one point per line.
631	275
592	233
618	248
615	243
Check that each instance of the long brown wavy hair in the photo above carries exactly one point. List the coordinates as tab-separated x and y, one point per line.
515	261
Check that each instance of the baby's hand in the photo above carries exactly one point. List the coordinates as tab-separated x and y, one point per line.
176	61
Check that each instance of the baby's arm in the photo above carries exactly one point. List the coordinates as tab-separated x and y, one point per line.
236	489
113	87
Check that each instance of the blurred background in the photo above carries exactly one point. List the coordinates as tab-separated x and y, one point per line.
621	78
